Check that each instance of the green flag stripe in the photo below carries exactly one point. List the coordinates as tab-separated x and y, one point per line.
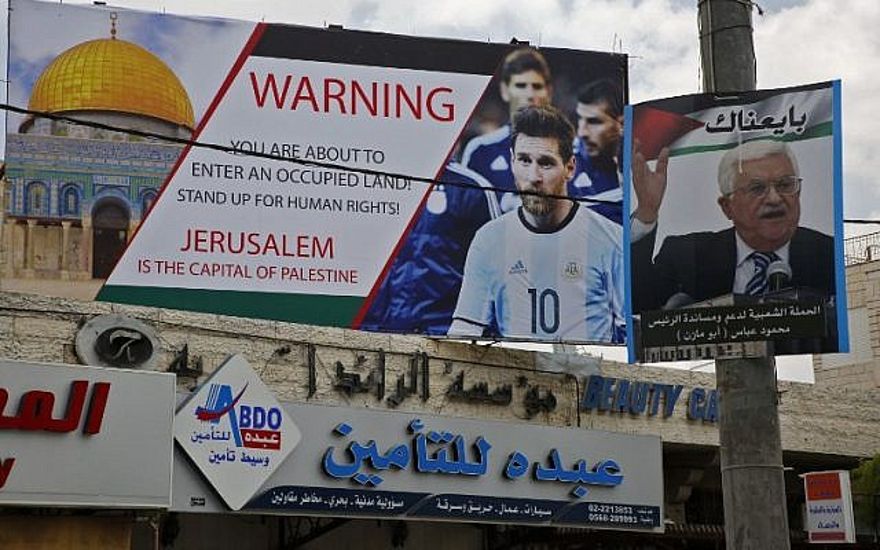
824	129
324	310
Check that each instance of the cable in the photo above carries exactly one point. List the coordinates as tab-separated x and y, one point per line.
303	162
316	164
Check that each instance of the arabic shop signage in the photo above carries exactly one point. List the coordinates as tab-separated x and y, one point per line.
829	507
636	397
378	463
715	325
84	436
454	460
235	431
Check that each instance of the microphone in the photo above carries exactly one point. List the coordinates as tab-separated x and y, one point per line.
678	300
778	275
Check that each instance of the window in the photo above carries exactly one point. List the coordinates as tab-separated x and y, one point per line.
69	200
37	199
147	200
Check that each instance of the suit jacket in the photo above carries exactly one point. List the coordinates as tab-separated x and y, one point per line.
702	265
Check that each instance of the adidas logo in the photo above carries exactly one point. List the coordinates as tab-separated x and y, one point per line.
582	180
518	267
499	164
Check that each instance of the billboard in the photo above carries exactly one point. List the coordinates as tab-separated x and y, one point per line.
261	456
85	436
736	231
335	177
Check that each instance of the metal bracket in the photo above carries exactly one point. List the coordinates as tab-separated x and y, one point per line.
180	364
310	363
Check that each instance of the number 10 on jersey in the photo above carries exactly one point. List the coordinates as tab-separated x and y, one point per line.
545	310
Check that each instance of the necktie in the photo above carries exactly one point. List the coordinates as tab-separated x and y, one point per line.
757	285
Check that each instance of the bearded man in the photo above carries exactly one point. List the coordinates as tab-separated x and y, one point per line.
550	270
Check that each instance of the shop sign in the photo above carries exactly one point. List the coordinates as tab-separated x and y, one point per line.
343	462
639	397
829	507
235	431
84	436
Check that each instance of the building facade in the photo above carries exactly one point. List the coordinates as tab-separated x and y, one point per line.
86	164
823	427
75	193
860	368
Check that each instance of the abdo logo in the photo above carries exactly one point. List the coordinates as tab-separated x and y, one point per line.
252	426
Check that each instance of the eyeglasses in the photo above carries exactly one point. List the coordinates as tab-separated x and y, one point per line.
757	189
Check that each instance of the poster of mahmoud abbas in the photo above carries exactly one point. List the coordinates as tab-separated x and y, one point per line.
736	223
355	179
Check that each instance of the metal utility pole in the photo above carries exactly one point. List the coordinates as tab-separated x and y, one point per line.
752	479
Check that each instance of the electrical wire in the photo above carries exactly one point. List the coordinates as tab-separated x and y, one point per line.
311	163
299	161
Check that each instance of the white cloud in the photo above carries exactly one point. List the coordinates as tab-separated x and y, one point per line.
820	41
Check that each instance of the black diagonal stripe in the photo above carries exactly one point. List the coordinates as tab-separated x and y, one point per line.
380	49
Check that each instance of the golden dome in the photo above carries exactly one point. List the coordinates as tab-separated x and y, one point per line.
112	75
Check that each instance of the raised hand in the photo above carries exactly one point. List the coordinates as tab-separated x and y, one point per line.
649	185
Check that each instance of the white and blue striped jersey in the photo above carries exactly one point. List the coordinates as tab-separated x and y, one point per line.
564	285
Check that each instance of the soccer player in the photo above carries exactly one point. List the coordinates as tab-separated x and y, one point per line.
419	292
551	269
597	148
525	81
421	287
599	132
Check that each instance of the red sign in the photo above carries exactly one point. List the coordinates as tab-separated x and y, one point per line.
820	537
261	439
5	468
823	486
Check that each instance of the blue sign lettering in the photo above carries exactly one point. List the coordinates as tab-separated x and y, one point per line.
257	417
592	393
220	403
442	452
703	405
619	395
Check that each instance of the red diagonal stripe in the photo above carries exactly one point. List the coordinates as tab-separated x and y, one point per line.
206	415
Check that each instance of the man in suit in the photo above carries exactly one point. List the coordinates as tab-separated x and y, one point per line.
760	190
